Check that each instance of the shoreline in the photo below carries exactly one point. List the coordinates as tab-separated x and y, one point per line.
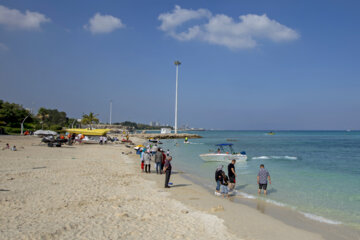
284	217
108	179
309	222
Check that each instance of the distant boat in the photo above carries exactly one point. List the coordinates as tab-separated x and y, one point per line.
222	156
271	133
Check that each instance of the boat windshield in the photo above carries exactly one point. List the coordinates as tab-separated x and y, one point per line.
221	148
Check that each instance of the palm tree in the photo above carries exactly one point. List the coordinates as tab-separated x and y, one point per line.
90	119
42	116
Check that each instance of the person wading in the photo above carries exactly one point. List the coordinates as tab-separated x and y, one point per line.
262	179
232	175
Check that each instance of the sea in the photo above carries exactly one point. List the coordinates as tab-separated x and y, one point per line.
316	173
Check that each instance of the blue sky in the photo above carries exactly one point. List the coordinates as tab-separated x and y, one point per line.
282	65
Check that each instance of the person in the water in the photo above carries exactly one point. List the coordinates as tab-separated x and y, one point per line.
262	179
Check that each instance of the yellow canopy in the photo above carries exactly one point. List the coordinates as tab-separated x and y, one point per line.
88	132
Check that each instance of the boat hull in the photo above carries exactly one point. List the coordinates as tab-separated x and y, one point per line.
222	157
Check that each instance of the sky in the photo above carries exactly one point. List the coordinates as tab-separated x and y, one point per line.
246	65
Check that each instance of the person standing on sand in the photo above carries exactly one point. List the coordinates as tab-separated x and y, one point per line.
167	170
232	175
158	160
163	161
142	153
147	159
262	179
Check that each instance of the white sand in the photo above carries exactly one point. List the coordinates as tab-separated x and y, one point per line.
89	192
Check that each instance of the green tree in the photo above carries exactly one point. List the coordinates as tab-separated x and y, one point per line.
90	119
12	114
52	118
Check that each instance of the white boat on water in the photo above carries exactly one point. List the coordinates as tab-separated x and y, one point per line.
224	156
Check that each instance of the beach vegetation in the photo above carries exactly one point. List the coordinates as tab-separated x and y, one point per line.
11	116
90	119
51	118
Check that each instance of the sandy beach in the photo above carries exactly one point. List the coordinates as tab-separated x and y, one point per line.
99	192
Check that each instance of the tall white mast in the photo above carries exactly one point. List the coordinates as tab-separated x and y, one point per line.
110	110
177	63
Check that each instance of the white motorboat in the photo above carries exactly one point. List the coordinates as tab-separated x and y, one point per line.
224	156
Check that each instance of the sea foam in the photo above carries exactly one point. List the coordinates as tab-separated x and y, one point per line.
320	219
275	157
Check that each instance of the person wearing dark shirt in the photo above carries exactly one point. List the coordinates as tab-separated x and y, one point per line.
218	177
232	174
158	160
167	170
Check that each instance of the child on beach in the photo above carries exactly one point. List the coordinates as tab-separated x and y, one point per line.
218	177
6	147
224	185
142	153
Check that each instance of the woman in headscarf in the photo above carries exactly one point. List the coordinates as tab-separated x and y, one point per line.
218	177
147	159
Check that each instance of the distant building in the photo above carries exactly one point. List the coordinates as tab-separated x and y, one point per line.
165	130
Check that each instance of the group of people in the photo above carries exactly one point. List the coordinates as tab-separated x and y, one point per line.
225	184
7	146
161	159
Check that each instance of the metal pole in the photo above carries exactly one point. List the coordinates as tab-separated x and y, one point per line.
176	97
177	63
22	124
110	110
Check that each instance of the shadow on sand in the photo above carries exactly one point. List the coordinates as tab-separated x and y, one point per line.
180	185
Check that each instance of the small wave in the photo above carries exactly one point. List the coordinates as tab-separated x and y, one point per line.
275	203
245	195
261	157
320	219
275	157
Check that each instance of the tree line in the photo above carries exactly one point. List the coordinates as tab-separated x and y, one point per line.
12	115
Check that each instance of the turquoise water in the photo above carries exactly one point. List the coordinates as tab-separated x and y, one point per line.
314	172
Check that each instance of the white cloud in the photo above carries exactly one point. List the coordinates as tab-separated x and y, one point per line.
223	30
14	19
103	24
171	20
3	47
